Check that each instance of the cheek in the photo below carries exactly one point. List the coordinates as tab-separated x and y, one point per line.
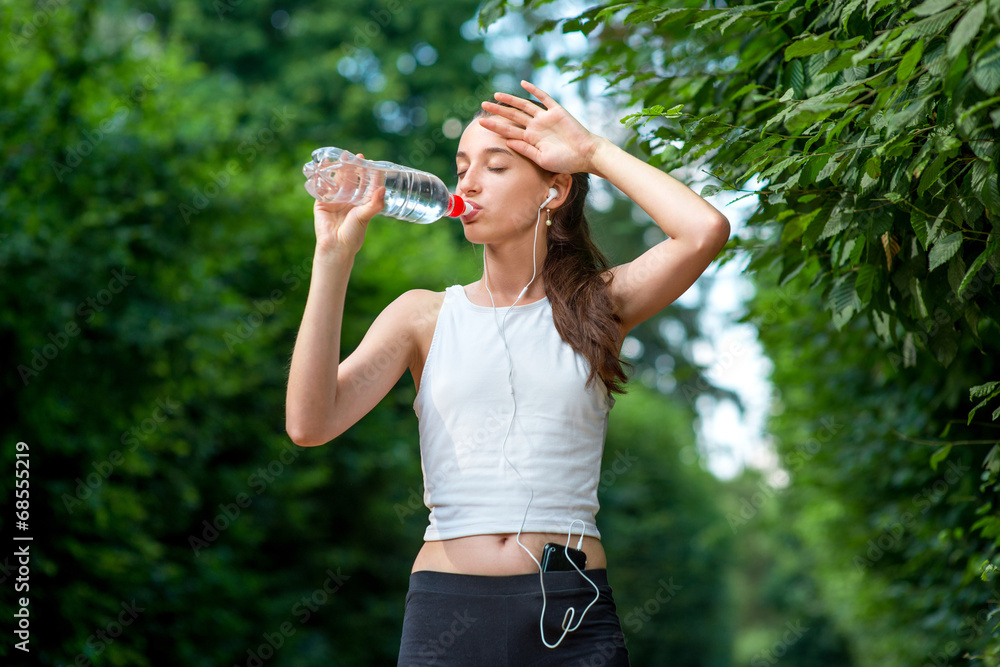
521	202
519	209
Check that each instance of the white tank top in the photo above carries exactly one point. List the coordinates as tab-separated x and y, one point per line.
464	406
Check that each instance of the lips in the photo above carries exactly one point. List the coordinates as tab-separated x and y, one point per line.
468	217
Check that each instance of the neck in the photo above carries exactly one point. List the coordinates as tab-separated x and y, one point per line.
508	269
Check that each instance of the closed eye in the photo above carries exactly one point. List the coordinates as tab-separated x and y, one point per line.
493	169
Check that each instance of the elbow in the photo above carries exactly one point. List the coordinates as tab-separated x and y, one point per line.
304	437
716	233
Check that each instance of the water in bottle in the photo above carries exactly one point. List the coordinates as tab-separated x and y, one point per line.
336	175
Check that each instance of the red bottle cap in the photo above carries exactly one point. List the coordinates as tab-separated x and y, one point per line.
457	207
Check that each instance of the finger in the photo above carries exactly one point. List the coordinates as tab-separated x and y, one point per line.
505	130
519	103
513	115
540	94
371	208
525	149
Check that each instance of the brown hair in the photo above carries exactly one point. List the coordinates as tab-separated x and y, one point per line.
584	314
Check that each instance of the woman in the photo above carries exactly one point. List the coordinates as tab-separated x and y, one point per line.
514	376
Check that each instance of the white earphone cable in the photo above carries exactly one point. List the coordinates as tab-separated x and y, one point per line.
501	328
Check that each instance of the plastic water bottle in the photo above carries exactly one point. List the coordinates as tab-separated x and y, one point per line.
339	176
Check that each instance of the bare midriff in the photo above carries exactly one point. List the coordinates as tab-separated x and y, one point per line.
499	554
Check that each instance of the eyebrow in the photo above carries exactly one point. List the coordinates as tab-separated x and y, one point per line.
492	149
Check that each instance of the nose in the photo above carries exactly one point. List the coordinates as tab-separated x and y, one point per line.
468	185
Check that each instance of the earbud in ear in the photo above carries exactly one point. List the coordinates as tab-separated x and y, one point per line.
553	193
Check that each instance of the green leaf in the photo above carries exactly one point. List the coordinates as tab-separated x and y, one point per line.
848	11
990	192
865	282
841	62
933	7
989	390
937	226
988	526
870	48
491	12
643	15
918	297
902	119
944	249
987	72
992	462
932	25
909	351
873	166
919	223
758	149
966	29
809	45
843	302
940	455
930	174
909	61
797	78
991	248
839	220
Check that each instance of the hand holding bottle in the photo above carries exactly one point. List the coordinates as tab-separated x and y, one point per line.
340	227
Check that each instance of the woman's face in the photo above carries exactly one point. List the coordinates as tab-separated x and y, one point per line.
504	187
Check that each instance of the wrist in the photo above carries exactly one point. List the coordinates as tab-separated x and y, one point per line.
333	257
600	156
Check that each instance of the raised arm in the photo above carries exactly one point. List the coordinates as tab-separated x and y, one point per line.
697	233
324	397
557	142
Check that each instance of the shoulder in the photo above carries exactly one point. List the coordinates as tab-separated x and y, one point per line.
416	308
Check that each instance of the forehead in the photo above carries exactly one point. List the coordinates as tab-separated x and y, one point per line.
477	139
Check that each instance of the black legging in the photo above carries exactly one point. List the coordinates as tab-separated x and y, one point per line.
493	621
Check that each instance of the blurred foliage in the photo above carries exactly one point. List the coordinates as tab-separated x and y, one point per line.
867	131
156	251
888	522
